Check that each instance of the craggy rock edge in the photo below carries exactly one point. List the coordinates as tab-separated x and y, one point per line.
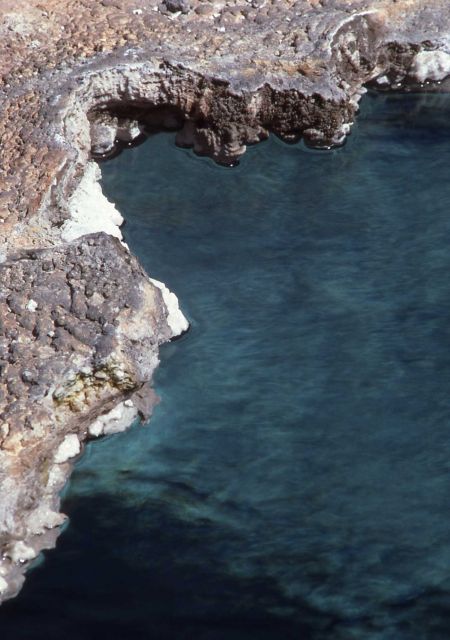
77	342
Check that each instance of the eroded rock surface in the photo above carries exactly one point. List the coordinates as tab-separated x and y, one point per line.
80	322
80	329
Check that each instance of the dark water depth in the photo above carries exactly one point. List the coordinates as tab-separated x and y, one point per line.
294	482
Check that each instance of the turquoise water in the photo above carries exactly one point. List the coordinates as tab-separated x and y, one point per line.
294	481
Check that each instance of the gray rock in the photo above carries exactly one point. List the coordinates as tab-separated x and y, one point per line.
177	5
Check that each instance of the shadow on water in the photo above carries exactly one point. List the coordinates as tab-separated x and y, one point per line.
150	575
155	576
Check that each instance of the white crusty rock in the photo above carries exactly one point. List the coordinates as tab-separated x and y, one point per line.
69	448
90	210
3	585
20	552
431	66
31	305
116	420
175	318
44	518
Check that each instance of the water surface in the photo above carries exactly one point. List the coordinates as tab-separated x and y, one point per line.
294	480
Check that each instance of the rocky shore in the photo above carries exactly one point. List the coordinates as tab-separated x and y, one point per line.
80	321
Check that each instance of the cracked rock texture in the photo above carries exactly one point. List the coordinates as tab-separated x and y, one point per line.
80	328
82	79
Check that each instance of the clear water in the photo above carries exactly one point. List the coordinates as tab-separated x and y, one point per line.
294	481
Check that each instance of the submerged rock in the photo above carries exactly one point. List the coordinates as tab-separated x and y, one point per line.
80	321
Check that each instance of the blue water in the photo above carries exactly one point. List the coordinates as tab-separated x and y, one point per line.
294	481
